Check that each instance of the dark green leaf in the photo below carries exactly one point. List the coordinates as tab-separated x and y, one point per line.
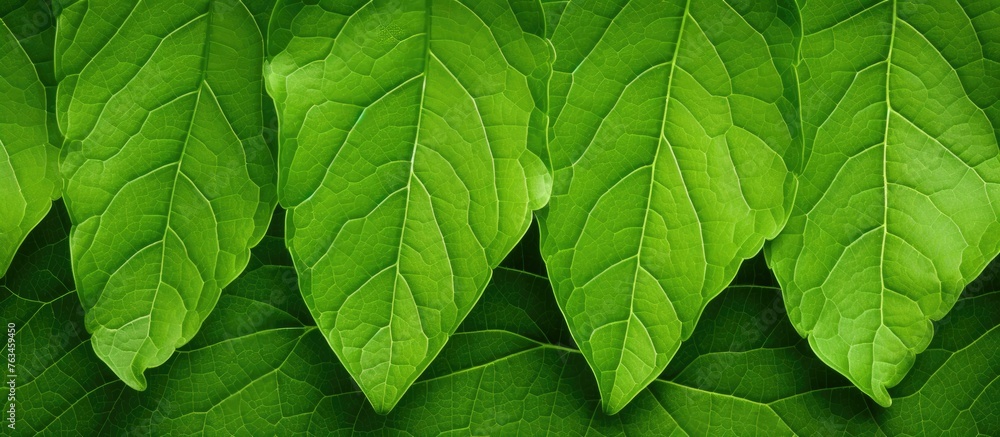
259	367
33	22
60	387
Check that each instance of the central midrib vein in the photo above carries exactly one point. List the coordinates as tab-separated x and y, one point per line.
409	191
885	181
652	182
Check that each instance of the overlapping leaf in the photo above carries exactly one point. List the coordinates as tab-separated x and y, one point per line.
410	135
168	179
898	208
60	387
508	370
671	157
405	166
29	179
259	367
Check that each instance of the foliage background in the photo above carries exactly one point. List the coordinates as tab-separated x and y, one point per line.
259	367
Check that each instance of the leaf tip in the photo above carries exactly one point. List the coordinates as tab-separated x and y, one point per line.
617	397
129	366
383	405
539	181
612	407
881	395
136	381
132	376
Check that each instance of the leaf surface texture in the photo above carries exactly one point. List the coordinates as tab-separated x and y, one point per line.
168	179
406	167
671	139
898	206
28	174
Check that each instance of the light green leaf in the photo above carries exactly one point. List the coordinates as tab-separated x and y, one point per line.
898	208
671	157
29	179
168	179
406	166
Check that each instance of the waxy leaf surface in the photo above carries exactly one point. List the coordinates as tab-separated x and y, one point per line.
672	136
405	164
168	179
899	201
29	179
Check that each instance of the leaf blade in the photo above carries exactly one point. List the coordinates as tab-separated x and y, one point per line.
169	181
417	155
650	217
895	217
28	175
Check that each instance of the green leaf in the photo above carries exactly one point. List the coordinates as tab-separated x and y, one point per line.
898	208
406	166
553	11
747	352
260	367
33	23
61	387
168	179
29	179
671	155
286	380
